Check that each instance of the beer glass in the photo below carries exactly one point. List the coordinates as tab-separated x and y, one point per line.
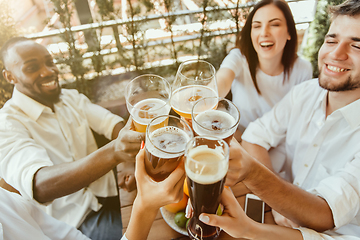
194	79
165	141
206	165
215	117
147	96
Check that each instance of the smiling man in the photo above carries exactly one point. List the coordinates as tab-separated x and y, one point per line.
47	150
319	120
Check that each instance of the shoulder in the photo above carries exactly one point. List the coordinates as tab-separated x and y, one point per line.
72	96
307	88
302	63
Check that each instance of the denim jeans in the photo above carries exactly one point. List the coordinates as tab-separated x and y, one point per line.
105	224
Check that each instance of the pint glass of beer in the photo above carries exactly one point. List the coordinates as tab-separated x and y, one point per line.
166	139
215	117
147	96
206	165
194	79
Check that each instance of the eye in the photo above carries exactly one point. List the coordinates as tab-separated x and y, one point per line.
256	26
32	68
330	41
356	46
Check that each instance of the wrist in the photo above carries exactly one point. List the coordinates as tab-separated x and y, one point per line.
144	207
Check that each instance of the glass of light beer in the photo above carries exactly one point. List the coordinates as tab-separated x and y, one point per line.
165	141
215	117
206	165
194	79
147	96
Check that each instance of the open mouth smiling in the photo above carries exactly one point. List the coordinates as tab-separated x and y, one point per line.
336	69
266	44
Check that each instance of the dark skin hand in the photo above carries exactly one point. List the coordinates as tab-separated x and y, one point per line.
49	182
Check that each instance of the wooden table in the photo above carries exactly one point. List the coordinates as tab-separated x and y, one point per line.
160	230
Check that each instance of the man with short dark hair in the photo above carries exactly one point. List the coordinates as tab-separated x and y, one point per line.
47	150
319	120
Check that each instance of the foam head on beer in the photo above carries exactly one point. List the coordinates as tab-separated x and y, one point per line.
208	163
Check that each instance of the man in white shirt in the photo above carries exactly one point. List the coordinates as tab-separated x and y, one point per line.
320	123
47	150
22	219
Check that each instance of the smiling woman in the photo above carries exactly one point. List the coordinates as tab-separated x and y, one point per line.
264	65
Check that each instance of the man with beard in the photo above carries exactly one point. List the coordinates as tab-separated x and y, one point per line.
319	120
47	150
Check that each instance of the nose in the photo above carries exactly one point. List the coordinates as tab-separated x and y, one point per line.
264	30
339	52
47	71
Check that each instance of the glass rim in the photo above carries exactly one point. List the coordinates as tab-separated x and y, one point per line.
225	157
194	61
167	116
219	99
127	92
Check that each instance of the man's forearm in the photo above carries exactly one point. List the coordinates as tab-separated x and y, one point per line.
60	180
258	152
298	205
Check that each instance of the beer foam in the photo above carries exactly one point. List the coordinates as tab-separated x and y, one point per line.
220	128
171	140
214	170
145	110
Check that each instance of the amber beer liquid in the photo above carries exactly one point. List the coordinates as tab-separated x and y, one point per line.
206	173
183	99
163	150
145	110
215	123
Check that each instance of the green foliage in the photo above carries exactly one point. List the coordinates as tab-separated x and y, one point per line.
106	9
317	32
8	29
73	58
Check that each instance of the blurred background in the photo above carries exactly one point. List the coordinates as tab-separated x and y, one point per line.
99	45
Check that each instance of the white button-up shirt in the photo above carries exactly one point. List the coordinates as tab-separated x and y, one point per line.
322	154
32	137
21	219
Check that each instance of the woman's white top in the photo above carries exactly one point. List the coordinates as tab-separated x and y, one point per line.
273	88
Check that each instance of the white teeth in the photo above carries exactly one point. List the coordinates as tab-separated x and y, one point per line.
52	83
336	69
266	44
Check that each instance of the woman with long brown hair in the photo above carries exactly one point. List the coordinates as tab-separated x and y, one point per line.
264	65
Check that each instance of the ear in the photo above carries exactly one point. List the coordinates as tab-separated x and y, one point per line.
289	37
9	76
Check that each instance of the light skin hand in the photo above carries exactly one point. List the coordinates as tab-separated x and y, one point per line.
298	206
233	216
151	196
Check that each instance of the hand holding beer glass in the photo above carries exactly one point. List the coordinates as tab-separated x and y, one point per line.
147	96
216	117
206	165
194	79
166	139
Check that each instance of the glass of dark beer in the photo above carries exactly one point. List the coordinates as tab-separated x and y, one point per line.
215	117
206	165
166	139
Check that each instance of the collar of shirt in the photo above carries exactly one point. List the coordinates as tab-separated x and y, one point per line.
29	106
